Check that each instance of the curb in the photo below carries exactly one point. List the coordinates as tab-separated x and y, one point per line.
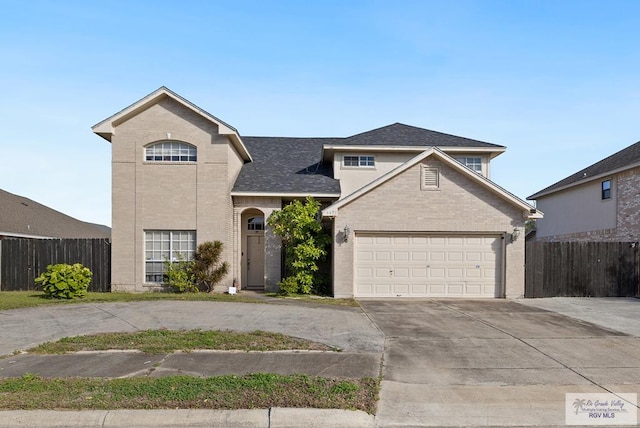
277	417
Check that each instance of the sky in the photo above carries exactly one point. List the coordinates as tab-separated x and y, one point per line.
555	81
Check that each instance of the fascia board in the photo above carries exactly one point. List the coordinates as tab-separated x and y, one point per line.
285	194
446	149
23	235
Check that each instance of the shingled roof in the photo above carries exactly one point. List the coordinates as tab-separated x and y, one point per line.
620	161
22	217
294	165
399	134
287	165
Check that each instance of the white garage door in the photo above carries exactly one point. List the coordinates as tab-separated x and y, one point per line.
390	265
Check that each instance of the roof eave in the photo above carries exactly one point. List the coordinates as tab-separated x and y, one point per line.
328	149
583	181
287	194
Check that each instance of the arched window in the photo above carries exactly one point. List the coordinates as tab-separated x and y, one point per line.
171	151
255	223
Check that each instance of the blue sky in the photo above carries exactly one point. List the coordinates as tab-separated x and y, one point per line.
556	81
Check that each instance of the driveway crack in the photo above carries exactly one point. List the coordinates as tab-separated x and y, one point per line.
116	316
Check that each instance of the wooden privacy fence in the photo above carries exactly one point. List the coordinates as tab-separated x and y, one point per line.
23	260
581	269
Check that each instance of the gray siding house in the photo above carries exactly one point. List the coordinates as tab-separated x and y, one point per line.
597	203
413	212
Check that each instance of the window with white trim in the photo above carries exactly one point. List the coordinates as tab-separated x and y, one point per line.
358	161
474	163
171	151
429	178
162	245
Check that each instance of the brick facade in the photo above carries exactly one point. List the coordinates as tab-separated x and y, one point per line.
166	196
460	205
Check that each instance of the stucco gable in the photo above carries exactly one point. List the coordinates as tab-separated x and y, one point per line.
434	154
106	128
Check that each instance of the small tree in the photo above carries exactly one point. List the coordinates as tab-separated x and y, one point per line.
206	268
304	242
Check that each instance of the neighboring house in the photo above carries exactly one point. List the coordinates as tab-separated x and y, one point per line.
598	203
21	217
412	211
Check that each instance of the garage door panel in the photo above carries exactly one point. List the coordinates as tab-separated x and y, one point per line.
419	256
454	289
454	272
419	289
382	289
419	273
364	255
390	265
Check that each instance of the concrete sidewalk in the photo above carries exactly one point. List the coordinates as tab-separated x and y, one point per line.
118	364
276	417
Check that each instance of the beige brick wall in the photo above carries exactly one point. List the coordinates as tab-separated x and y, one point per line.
460	205
165	196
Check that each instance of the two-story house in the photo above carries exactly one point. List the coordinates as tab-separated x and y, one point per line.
597	203
413	212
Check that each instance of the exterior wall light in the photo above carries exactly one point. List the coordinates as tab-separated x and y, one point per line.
346	232
515	234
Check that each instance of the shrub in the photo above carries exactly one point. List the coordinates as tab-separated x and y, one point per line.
179	275
305	244
207	269
64	281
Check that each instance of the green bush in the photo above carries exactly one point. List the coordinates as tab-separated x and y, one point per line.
179	275
64	281
305	243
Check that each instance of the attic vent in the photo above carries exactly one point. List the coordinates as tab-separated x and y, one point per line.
430	178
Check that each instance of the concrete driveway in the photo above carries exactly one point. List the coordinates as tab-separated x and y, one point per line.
445	362
496	362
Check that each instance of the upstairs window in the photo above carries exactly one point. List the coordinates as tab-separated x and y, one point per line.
472	163
606	189
359	161
171	151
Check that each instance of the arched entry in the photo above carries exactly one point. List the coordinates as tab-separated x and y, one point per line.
253	259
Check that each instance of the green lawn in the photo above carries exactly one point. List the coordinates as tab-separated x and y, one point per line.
166	341
254	391
25	299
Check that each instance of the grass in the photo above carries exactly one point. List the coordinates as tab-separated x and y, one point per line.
26	299
166	341
185	392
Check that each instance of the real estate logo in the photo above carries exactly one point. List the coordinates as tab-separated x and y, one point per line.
601	409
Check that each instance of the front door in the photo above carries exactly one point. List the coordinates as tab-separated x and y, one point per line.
255	262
